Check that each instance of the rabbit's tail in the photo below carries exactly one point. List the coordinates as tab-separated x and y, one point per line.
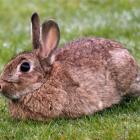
135	87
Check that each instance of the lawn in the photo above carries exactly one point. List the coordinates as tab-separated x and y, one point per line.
119	20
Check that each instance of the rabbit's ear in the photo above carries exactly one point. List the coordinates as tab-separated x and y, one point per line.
35	31
50	38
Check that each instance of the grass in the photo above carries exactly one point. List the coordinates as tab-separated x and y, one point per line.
119	20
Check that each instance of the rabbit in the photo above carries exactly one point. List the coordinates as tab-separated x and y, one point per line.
83	77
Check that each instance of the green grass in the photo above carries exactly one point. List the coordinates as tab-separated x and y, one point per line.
119	20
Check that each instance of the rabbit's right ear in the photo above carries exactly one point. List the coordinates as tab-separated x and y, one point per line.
50	36
35	22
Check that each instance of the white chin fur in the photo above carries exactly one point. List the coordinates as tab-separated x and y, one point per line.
15	97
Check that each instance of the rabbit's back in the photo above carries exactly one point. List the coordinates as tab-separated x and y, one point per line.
92	57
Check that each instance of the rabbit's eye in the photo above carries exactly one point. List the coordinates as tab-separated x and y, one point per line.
25	67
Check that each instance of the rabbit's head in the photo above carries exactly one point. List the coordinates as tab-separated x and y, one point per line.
29	70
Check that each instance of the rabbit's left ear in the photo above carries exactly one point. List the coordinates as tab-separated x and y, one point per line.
50	38
35	22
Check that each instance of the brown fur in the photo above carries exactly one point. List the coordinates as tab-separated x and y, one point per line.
86	76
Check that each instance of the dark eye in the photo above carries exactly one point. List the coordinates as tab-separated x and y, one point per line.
25	67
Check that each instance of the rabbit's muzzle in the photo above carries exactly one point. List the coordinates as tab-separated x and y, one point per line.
7	90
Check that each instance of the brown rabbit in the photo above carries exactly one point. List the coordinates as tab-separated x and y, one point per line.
83	77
